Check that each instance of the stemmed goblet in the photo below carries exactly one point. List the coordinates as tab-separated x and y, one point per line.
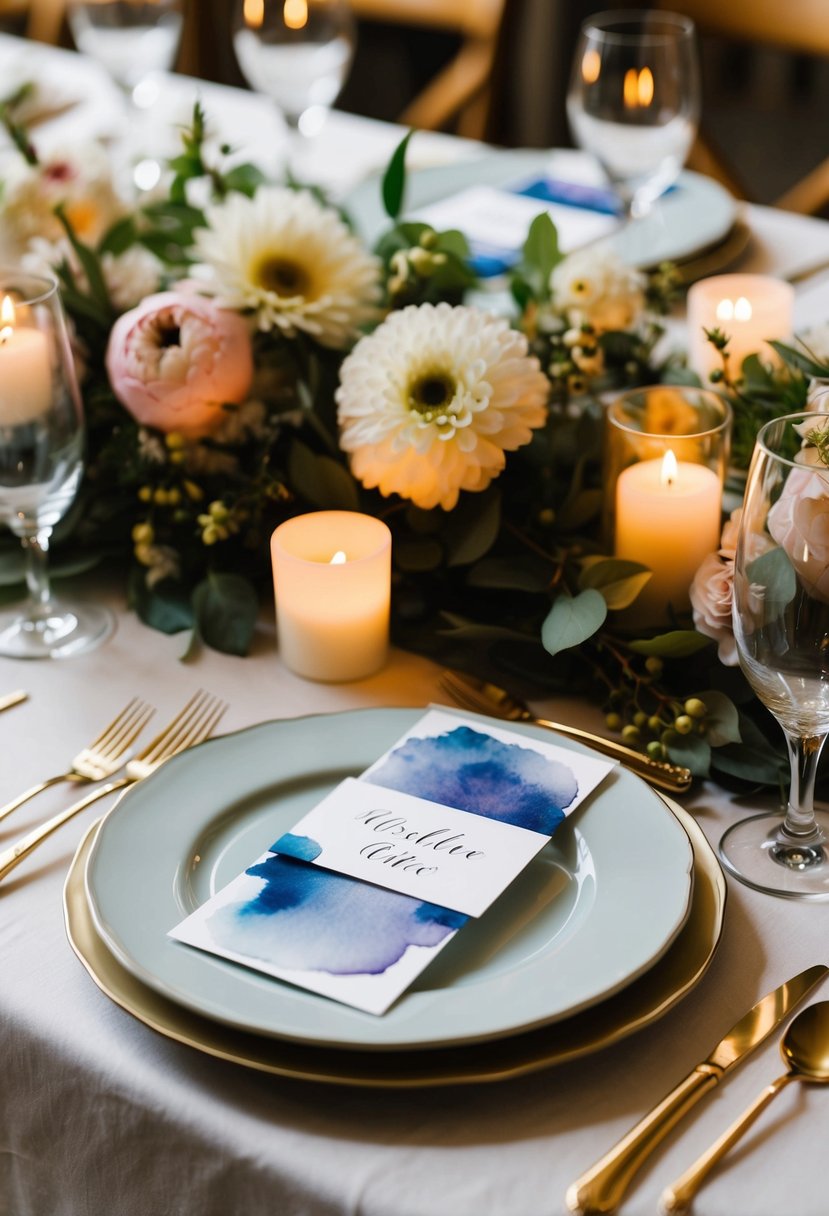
633	100
781	626
298	53
41	463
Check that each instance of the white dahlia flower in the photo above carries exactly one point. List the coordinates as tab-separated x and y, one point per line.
291	261
430	402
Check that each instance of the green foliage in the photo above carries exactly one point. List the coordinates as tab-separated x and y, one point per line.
394	179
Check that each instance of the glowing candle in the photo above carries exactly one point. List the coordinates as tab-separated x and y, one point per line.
750	308
332	580
668	517
25	370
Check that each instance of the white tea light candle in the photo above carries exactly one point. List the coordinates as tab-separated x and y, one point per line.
25	369
668	518
332	581
750	308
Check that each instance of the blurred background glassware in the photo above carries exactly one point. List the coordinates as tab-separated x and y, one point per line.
132	40
298	53
634	100
129	38
41	463
781	627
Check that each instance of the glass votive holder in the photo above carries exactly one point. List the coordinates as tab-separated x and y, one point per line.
332	583
665	459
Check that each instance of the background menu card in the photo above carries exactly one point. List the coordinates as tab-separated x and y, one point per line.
327	908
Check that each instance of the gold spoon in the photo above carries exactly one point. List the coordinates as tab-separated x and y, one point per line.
805	1049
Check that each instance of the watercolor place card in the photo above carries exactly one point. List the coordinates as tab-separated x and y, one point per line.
312	911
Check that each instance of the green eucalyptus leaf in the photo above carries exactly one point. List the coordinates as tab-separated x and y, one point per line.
722	721
244	179
580	509
165	607
572	620
619	581
691	752
226	608
540	254
801	361
321	480
472	528
774	571
677	644
418	554
521	573
120	237
394	179
748	763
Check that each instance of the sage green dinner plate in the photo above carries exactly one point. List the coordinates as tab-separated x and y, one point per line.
595	910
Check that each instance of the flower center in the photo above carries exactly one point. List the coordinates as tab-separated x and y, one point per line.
170	335
282	276
432	395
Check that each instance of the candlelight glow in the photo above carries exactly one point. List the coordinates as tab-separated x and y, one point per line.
254	12
638	88
339	559
6	319
590	67
730	310
668	472
295	14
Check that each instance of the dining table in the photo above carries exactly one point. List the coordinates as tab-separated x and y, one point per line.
103	1114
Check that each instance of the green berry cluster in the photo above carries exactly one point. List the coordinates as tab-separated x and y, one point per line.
645	716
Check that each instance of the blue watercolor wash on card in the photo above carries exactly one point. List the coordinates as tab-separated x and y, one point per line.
475	772
307	919
304	848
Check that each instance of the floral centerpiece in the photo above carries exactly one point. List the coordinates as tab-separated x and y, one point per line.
244	358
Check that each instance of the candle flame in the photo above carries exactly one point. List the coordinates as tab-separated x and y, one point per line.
254	13
668	472
731	310
6	319
638	88
339	559
295	14
591	66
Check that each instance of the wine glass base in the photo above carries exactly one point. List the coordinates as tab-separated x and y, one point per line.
755	853
63	632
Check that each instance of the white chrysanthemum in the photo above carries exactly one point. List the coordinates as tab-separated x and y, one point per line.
430	402
130	276
596	287
79	179
290	260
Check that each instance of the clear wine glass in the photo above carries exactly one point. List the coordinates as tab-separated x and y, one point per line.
41	463
298	53
781	626
131	40
633	100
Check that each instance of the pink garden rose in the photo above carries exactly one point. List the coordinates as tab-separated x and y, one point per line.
176	359
711	597
799	522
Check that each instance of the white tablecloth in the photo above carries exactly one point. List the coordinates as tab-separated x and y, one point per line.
99	1116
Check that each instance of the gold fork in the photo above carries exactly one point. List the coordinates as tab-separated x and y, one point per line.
101	758
193	724
483	698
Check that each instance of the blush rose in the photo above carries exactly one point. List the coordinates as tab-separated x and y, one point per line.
176	359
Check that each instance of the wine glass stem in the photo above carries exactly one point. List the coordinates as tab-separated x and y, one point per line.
36	548
804	754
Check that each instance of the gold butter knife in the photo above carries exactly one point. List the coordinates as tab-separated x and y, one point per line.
13	698
602	1187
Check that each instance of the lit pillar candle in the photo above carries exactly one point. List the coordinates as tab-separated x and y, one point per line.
668	518
25	370
750	308
332	582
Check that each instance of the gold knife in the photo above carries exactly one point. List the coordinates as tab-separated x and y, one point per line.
13	698
601	1188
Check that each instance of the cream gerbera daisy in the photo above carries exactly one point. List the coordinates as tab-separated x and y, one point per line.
429	402
291	261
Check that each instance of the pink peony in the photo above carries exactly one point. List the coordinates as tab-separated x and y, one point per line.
711	597
176	359
799	522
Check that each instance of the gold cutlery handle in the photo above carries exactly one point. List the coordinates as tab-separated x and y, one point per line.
12	856
678	1197
602	1188
13	698
36	789
666	776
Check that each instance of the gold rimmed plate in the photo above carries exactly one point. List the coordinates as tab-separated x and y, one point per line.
641	1003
